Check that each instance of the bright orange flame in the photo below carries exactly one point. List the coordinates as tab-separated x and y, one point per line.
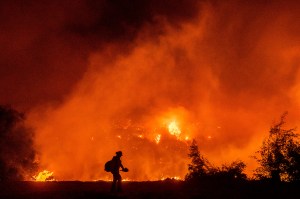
174	129
44	176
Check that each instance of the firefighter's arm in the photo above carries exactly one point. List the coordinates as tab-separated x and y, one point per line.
121	165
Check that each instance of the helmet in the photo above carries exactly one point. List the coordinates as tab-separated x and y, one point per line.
119	153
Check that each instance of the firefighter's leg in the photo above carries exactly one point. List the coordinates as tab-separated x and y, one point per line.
114	182
119	183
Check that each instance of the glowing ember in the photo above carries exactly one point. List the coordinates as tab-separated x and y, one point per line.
44	176
174	129
157	138
172	178
187	137
176	178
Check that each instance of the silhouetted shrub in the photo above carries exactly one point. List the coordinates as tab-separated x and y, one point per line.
233	171
17	154
201	169
279	155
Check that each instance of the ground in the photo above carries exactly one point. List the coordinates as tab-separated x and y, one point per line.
146	190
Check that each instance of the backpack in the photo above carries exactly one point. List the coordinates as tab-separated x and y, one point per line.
107	166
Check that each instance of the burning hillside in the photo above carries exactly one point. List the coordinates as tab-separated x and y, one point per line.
146	77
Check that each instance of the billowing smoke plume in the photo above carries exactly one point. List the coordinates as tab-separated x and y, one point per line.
155	76
45	45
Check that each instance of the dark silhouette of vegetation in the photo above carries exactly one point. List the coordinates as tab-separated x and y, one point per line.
232	171
17	155
279	155
200	168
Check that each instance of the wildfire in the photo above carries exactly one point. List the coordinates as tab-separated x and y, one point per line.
174	129
44	176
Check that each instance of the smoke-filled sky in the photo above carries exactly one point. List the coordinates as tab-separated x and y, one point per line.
96	77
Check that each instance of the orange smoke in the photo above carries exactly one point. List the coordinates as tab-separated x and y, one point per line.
221	78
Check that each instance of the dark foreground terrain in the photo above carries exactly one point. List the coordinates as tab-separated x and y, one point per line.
158	189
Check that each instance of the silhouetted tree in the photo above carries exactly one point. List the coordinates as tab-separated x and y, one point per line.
279	155
234	171
294	167
199	166
17	154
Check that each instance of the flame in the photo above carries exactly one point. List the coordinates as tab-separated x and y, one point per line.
157	138
44	176
176	178
174	129
172	178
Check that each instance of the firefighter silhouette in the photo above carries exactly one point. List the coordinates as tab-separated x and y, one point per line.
116	164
